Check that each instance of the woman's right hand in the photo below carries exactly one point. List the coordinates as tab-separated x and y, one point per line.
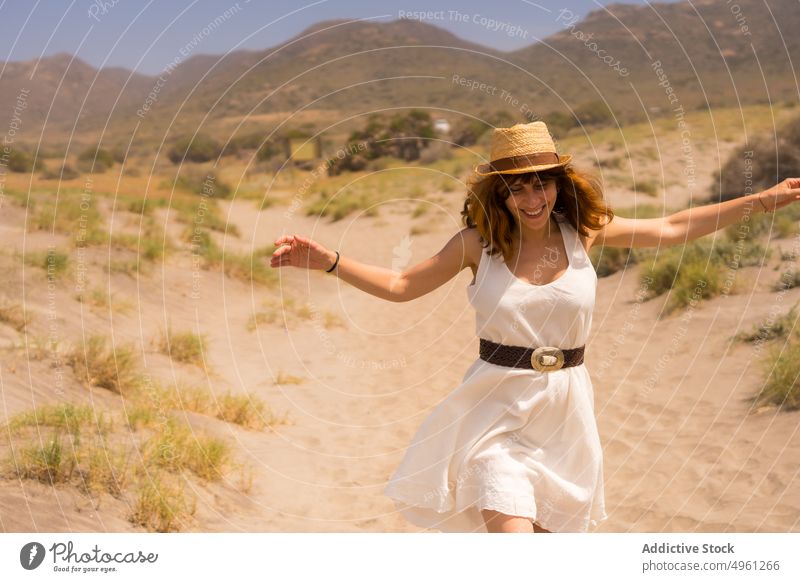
299	251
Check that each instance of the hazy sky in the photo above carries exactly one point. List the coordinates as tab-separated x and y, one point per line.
146	35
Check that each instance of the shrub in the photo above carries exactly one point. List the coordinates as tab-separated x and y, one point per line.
104	469
269	150
100	366
696	281
55	263
70	444
402	136
72	216
23	162
285	378
687	271
13	314
647	187
205	184
609	260
773	159
95	159
70	418
594	113
161	505
201	214
252	268
186	347
176	448
243	410
64	172
199	148
467	131
46	463
782	327
782	385
243	142
345	203
436	151
789	280
151	242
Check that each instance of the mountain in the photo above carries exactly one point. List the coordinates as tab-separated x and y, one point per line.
709	52
62	91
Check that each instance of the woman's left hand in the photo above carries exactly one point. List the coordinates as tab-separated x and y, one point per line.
780	195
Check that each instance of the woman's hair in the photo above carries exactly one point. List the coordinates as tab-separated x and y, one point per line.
579	200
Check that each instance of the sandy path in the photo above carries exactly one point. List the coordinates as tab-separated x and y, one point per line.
680	456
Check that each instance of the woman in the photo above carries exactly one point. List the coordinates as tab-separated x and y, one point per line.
515	447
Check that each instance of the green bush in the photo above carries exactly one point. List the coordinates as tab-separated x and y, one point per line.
269	150
559	122
594	113
402	136
781	328
199	148
243	142
203	184
115	368
185	346
782	369
609	260
773	159
95	159
22	162
74	216
64	172
789	280
696	281
55	263
696	270
252	268
647	187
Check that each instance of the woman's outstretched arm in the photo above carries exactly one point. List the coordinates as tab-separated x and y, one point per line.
692	223
298	251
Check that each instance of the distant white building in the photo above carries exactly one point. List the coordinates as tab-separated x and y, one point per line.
441	125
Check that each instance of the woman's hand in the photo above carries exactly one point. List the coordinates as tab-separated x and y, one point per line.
781	194
299	251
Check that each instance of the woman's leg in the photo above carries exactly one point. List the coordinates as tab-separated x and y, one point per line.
497	522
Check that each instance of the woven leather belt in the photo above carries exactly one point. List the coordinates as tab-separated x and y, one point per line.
543	359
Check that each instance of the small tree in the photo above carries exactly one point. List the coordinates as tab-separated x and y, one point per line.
594	113
199	148
23	162
764	162
96	159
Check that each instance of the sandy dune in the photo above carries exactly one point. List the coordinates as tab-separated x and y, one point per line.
681	455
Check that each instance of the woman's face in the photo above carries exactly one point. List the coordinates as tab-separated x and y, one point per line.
531	203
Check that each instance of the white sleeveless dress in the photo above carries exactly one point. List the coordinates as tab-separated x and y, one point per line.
521	442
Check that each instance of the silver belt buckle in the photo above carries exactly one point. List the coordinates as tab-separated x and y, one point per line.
547	359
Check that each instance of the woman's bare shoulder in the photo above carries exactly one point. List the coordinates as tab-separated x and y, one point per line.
473	247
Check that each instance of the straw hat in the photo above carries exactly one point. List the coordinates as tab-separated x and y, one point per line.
524	147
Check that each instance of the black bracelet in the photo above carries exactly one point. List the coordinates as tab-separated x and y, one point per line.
335	263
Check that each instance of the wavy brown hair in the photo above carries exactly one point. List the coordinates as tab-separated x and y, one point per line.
579	200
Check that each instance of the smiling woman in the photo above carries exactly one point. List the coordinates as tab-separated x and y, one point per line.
515	447
501	204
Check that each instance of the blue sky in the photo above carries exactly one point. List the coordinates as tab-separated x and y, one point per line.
146	35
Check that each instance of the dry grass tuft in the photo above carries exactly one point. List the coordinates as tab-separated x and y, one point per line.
99	365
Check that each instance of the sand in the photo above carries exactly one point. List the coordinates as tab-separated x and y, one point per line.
681	452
